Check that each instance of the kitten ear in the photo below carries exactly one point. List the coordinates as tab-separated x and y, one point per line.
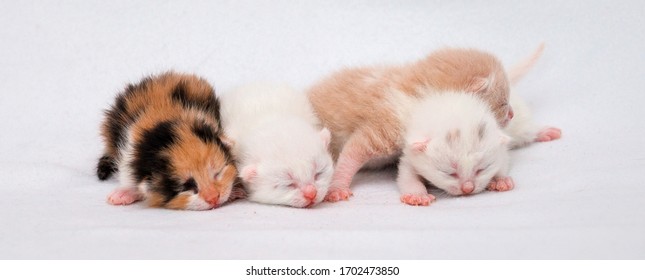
420	146
249	173
481	84
325	136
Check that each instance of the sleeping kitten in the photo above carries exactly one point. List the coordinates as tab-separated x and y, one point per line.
281	153
163	136
453	141
365	108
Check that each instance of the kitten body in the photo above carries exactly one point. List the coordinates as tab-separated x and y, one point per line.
163	137
366	108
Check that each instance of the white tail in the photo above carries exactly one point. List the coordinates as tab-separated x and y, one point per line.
519	70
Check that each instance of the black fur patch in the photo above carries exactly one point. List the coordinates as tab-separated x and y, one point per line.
179	94
116	125
208	135
147	153
204	131
106	167
118	118
209	104
120	104
224	149
150	164
168	187
190	185
213	108
140	86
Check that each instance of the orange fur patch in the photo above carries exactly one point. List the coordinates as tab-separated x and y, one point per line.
178	202
155	200
152	103
352	103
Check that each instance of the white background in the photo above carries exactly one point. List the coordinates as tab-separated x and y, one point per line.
62	63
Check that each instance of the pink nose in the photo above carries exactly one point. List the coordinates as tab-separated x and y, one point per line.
211	198
309	192
510	114
467	187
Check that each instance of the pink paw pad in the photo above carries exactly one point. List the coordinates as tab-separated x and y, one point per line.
338	194
124	196
417	199
548	134
501	184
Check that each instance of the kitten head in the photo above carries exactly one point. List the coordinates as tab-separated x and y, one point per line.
455	144
184	164
290	165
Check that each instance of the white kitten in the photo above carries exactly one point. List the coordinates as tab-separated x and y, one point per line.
453	141
281	154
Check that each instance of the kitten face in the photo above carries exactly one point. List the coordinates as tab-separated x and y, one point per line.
302	185
460	163
455	143
298	176
184	165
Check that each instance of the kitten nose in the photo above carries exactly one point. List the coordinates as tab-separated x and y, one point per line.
511	114
467	187
309	192
211	198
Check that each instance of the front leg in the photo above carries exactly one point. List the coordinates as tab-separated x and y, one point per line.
348	164
413	191
353	156
501	182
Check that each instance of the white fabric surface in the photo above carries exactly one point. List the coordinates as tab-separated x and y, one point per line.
62	62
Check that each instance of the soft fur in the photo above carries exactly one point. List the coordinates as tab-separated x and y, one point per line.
522	128
365	108
447	162
281	152
163	136
453	141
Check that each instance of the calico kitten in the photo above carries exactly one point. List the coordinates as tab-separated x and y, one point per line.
163	135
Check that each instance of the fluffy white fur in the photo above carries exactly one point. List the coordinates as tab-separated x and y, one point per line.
522	129
453	141
281	153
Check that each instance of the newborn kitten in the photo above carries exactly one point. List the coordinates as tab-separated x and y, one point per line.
163	136
365	108
281	153
453	141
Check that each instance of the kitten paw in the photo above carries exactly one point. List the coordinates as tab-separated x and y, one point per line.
548	134
417	199
338	194
124	196
501	184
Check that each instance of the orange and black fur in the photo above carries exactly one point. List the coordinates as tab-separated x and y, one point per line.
163	135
